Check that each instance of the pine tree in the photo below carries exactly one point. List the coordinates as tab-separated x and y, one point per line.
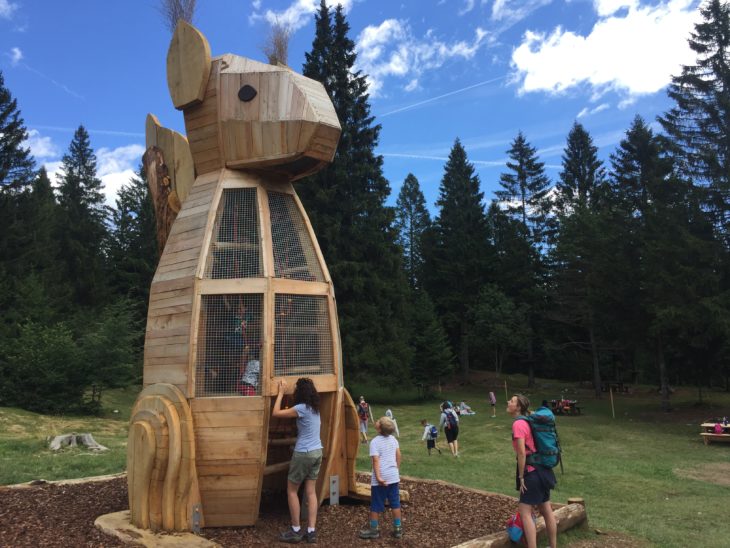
83	221
16	174
582	171
525	198
579	241
525	188
665	257
133	245
411	221
500	326
346	205
457	251
433	359
699	123
16	164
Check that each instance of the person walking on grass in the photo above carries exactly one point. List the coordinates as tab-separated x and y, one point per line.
305	461
533	482
430	433
449	423
385	479
365	414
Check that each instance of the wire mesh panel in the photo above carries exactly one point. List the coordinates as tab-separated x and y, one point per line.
303	340
229	346
235	248
294	255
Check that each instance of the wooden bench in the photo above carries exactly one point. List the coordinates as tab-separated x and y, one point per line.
711	436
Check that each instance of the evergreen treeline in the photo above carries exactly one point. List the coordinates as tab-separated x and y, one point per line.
74	276
611	272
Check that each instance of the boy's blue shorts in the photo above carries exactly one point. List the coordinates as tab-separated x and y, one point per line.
378	494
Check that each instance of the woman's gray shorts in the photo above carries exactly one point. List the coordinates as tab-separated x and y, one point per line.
305	465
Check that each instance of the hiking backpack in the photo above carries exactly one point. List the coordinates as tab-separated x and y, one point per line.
450	418
433	432
547	444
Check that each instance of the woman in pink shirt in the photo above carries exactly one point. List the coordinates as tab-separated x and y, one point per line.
533	482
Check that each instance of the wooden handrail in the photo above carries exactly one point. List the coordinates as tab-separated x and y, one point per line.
283	441
278	467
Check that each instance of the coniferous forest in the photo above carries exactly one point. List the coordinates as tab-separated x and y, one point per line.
615	271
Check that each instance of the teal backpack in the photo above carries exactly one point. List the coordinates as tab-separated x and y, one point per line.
547	451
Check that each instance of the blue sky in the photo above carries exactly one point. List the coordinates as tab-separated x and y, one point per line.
479	70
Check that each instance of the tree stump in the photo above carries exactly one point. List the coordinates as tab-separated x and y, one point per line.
74	440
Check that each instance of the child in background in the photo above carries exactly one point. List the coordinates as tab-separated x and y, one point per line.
430	433
493	403
389	414
385	481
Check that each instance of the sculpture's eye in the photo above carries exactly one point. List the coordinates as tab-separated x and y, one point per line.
246	93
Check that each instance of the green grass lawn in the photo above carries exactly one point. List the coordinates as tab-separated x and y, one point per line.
634	471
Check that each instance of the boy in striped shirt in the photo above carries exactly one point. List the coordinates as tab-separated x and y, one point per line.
385	454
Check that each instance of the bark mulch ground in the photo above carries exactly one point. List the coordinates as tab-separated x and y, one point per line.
437	515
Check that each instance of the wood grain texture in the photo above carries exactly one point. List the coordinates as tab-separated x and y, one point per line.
188	65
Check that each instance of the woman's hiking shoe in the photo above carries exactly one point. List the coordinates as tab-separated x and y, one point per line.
369	532
398	532
291	536
310	538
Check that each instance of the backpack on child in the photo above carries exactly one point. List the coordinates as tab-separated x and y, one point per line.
547	444
451	421
433	432
362	411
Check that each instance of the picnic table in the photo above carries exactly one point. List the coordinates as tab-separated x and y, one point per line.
565	407
709	435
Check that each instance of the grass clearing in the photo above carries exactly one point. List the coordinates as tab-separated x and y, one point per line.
646	476
645	473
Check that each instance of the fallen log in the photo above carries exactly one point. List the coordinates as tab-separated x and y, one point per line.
566	517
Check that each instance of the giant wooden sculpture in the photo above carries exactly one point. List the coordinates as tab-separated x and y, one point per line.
241	297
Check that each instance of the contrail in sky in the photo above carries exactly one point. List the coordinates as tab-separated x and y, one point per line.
432	99
488	163
54	82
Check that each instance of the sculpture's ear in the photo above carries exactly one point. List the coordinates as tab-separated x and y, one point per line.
176	156
188	66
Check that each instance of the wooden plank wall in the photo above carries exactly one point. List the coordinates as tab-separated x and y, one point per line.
230	453
201	127
169	318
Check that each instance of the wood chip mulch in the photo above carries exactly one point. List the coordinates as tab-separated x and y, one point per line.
437	515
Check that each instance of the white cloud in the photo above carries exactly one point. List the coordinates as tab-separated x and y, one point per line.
590	111
468	6
6	9
511	11
15	55
390	49
297	15
118	159
113	182
115	167
40	147
609	7
635	54
410	86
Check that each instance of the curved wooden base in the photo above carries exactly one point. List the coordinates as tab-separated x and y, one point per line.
162	480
